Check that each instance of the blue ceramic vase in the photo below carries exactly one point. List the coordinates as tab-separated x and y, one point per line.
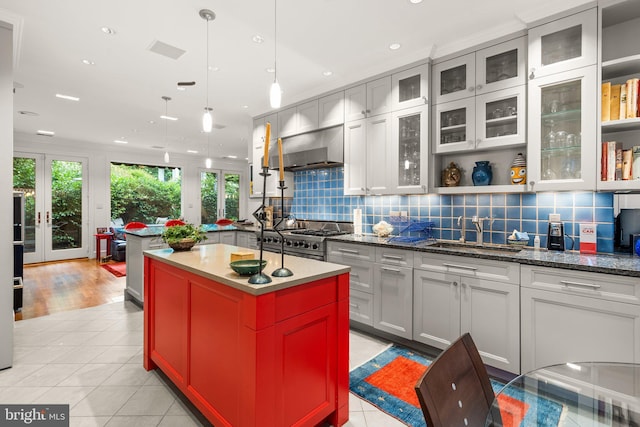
482	173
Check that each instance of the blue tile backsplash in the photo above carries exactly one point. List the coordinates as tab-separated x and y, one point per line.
318	194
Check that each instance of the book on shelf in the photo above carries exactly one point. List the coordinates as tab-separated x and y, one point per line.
614	103
609	163
603	161
627	160
623	102
635	168
618	172
632	98
605	102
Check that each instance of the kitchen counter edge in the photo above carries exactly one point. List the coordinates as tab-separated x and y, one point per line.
621	265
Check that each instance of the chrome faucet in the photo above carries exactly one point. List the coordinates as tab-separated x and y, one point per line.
479	223
462	228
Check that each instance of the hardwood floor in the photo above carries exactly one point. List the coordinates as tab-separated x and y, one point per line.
67	285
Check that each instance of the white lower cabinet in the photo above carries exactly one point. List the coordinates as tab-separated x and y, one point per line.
245	239
574	316
393	296
453	295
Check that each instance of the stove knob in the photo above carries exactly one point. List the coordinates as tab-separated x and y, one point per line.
296	244
268	239
276	240
306	245
288	242
315	246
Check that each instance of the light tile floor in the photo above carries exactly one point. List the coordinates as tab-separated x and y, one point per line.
92	360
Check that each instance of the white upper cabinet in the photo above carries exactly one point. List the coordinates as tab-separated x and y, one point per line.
367	100
410	88
331	110
307	116
287	122
564	44
355	103
487	70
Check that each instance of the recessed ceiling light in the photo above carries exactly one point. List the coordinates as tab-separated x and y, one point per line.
67	97
173	119
88	62
46	133
214	69
394	46
108	30
120	141
153	122
415	1
181	88
28	113
270	70
231	157
245	106
327	73
257	38
192	151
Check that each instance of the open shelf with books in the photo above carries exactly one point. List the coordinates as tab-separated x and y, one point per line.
619	150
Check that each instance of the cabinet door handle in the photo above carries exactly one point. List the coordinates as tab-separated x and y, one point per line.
392	270
425	99
455	283
353	305
362	189
363	112
348	251
479	87
48	217
532	75
398	257
471	88
39	219
464	267
353	274
568	284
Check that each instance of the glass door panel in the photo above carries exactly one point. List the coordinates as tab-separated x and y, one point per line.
65	210
561	128
231	196
24	179
501	67
409	150
209	184
453	80
455	126
561	45
501	118
409	88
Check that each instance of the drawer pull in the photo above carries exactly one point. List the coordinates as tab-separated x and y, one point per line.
393	270
464	267
354	305
398	257
354	274
348	251
581	285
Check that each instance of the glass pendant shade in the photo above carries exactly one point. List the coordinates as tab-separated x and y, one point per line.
207	163
207	120
275	95
166	157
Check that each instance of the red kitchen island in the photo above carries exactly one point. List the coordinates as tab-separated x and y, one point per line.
250	355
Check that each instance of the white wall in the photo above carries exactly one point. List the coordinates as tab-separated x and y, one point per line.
99	161
6	189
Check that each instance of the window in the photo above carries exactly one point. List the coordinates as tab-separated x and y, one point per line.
219	199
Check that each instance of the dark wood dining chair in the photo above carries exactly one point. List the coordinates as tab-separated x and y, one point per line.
455	390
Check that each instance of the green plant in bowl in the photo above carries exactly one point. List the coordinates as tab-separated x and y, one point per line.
183	237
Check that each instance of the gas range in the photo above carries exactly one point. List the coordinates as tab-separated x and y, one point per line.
308	240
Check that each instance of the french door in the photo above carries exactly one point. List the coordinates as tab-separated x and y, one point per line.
55	206
219	195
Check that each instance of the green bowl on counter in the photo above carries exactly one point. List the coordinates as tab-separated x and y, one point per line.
247	267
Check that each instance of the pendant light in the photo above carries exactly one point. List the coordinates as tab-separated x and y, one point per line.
275	94
207	119
166	114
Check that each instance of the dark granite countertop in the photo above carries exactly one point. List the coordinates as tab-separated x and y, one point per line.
622	265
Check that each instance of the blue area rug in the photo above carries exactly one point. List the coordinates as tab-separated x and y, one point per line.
387	381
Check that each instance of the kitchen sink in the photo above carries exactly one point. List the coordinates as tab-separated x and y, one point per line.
475	246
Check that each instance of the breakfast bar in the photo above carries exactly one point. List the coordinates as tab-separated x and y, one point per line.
250	355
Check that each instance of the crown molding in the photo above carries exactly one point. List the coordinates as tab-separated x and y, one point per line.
15	23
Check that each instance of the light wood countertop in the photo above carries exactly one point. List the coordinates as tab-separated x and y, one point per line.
212	262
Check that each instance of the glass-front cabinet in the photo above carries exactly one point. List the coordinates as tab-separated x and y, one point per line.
454	126
562	131
410	88
493	68
563	44
409	155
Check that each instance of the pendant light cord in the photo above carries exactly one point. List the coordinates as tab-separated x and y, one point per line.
207	70
275	40
166	114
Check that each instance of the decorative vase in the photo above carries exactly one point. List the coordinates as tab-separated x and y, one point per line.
519	170
182	245
482	173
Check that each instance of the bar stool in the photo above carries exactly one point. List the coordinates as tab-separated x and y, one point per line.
99	238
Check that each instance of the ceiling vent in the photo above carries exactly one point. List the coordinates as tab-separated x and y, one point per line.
166	50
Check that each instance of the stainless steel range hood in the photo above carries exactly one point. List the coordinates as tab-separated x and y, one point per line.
319	149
